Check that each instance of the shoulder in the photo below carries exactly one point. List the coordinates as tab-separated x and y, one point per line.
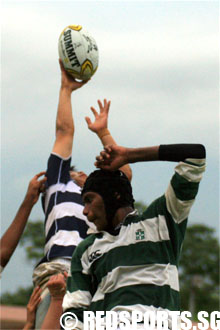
84	245
158	206
58	169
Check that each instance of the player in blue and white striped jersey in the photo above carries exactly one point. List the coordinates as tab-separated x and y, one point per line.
131	263
65	224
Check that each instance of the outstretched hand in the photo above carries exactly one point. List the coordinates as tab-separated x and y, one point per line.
112	158
35	187
31	308
67	81
101	118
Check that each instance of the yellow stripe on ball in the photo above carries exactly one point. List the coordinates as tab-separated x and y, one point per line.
75	27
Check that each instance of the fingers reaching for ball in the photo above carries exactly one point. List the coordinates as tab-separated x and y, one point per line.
68	82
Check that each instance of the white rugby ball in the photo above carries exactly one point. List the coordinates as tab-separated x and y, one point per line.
78	51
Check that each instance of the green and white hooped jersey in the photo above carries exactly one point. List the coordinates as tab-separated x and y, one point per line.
136	269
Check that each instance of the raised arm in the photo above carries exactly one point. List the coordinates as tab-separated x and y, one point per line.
182	188
64	121
12	236
100	127
113	157
57	288
31	308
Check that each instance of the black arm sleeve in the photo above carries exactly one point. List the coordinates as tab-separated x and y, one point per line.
178	152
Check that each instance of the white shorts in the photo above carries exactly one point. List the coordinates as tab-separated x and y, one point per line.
44	271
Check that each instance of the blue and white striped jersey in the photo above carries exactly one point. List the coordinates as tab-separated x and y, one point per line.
65	224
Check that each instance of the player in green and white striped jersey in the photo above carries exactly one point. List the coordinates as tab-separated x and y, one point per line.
131	263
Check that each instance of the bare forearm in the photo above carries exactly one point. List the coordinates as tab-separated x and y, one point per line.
64	121
64	125
107	139
52	318
142	154
12	236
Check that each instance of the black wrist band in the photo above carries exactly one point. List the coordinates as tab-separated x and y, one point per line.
178	152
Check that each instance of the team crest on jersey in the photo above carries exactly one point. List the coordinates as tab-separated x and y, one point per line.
95	255
140	235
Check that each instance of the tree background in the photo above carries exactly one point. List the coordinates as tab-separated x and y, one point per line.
198	269
33	242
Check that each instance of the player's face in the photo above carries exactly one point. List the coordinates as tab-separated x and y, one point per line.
94	210
78	177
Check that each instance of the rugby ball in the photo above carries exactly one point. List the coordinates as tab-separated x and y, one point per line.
78	51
